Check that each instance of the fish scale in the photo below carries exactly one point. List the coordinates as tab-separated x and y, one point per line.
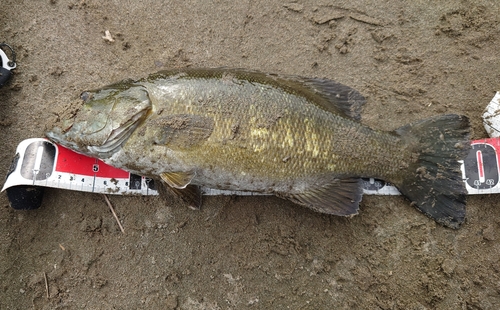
312	137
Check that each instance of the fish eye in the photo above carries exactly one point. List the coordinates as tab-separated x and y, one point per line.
86	96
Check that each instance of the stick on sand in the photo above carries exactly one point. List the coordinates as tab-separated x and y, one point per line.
114	214
46	285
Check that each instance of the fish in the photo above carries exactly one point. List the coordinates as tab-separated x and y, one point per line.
295	137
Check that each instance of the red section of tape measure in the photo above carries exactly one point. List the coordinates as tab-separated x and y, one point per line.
71	162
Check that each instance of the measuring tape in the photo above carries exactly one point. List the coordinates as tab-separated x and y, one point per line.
40	163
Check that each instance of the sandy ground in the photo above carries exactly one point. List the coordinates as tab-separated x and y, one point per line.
411	59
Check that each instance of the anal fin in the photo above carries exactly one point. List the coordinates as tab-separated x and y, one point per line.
339	197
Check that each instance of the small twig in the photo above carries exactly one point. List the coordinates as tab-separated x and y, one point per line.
46	285
114	214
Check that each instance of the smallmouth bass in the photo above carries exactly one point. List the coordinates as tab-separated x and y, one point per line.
295	137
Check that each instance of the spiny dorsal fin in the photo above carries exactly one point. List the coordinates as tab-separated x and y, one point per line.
340	197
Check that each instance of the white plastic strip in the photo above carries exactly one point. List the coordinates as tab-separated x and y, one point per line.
491	117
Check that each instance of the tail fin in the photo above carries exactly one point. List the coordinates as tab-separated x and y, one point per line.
434	183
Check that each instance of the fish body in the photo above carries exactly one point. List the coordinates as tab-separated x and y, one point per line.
298	138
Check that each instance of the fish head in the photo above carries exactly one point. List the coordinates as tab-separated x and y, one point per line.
105	121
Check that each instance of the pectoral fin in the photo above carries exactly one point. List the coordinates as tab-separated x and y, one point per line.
178	179
182	131
339	197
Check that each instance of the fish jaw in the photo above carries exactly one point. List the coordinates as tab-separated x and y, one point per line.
59	136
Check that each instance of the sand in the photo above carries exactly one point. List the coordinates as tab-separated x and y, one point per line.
411	59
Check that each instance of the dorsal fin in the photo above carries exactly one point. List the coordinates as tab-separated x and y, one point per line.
339	97
325	93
